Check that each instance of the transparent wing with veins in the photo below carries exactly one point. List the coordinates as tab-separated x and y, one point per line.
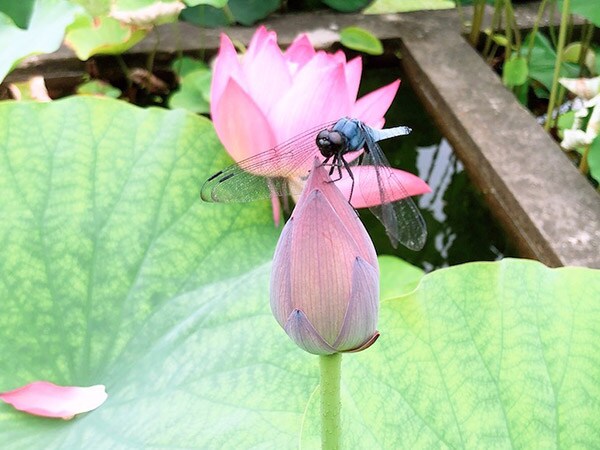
267	173
401	218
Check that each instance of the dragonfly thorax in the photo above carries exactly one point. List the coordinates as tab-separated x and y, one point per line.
331	143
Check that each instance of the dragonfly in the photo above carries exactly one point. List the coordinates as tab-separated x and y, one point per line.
341	145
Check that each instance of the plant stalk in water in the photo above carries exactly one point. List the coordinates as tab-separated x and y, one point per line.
562	34
536	26
583	164
478	12
496	20
586	40
330	366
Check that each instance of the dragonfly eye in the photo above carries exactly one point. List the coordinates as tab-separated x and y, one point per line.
329	142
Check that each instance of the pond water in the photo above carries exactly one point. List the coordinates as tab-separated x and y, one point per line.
459	224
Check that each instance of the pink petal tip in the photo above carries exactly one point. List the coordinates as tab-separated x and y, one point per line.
42	398
397	183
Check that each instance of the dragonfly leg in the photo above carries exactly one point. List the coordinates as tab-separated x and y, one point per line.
336	164
350	174
339	162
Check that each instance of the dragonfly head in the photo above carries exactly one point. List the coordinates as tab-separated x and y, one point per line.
330	143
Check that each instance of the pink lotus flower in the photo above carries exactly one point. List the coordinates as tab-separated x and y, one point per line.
267	97
325	276
42	398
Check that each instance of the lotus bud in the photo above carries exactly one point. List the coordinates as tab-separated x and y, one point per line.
325	276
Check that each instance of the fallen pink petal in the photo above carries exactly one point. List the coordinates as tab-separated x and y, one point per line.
42	398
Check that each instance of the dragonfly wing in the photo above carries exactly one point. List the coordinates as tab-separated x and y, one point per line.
265	174
238	184
401	218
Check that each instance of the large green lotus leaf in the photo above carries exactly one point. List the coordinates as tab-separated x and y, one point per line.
246	12
484	355
44	33
584	8
213	3
543	58
113	271
19	12
95	8
397	277
194	92
395	6
346	5
89	36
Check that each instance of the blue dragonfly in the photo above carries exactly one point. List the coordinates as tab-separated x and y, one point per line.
341	144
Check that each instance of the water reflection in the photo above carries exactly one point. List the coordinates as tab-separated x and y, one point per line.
459	223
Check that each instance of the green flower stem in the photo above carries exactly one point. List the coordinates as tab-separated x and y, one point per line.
330	400
562	35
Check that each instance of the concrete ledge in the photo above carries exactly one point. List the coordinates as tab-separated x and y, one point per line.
551	213
549	209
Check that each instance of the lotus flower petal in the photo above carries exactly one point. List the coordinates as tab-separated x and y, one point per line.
366	345
42	398
338	57
299	328
322	251
268	75
240	123
360	321
371	107
353	74
319	180
366	187
299	53
227	66
319	95
281	296
261	37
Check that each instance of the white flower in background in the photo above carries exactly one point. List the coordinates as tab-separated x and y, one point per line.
584	88
587	91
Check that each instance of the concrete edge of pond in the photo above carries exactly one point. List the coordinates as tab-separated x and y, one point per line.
545	205
548	209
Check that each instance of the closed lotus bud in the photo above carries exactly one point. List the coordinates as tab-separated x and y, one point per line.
325	276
